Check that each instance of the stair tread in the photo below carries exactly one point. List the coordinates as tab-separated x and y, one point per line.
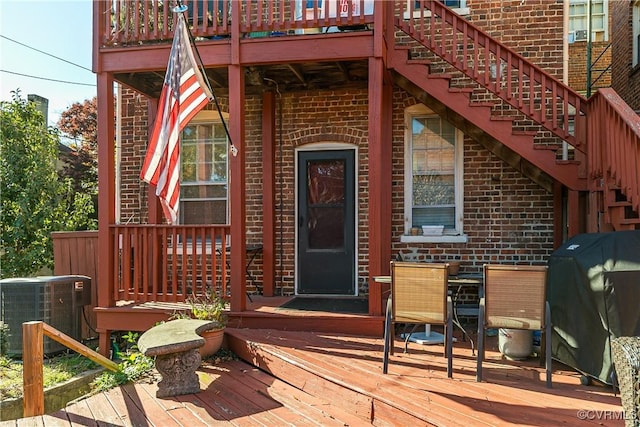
419	61
552	147
531	133
619	204
461	89
629	221
568	162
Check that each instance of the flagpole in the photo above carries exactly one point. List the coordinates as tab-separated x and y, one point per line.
180	8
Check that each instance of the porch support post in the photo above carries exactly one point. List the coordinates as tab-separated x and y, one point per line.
237	189
154	209
574	213
379	226
106	202
559	215
268	192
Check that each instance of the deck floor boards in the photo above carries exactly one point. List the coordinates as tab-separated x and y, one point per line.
328	379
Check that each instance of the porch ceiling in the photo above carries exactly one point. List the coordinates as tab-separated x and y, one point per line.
286	77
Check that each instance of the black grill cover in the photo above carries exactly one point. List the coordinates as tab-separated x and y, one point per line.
593	287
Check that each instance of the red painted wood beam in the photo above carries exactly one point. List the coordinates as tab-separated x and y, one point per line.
155	214
268	193
379	181
274	50
574	213
237	189
106	200
558	215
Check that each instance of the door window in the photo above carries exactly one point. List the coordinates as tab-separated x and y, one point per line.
326	196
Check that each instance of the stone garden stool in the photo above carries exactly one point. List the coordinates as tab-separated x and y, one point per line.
626	360
175	346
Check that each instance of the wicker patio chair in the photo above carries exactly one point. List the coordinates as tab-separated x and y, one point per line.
515	298
626	360
418	297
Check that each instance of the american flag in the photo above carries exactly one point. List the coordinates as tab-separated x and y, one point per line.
184	93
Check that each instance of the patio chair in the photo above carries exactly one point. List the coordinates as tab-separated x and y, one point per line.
515	298
418	297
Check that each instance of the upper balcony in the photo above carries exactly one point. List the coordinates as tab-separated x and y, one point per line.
301	44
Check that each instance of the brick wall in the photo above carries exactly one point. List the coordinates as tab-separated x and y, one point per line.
533	28
507	218
600	75
133	131
625	78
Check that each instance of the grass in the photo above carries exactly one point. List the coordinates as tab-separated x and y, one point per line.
132	365
55	370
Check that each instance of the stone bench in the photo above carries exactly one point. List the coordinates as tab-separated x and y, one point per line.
175	346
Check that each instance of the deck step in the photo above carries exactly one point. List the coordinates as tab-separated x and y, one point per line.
348	388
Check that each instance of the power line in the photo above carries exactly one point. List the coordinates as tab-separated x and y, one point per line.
44	78
45	53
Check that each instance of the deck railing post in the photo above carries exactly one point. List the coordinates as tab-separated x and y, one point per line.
32	377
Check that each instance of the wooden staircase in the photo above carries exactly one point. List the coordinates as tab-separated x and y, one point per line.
519	112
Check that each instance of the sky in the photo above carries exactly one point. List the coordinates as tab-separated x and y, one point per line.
62	29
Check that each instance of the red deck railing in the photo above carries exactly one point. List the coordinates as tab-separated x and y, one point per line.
168	263
496	67
614	156
135	22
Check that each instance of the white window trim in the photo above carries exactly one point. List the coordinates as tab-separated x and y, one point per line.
635	25
604	30
462	11
206	117
459	237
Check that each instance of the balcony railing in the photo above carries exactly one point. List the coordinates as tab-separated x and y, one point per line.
135	22
168	263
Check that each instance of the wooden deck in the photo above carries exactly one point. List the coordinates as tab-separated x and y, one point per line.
308	378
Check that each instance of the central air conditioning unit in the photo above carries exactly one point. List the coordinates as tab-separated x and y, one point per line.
55	300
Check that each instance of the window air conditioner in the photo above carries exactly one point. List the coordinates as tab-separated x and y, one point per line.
580	35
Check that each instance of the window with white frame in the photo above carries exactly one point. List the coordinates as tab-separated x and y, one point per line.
585	14
636	33
204	171
459	6
433	172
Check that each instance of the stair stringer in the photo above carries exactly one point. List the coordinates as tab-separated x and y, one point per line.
518	150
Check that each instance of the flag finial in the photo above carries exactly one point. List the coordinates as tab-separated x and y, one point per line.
179	8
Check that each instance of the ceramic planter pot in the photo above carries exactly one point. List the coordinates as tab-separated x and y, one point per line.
212	342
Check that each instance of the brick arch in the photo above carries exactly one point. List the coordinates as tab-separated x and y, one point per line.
327	134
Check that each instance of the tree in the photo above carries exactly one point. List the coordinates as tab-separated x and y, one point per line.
80	123
35	200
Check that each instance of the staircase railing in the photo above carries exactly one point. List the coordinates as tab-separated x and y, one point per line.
33	358
502	71
616	155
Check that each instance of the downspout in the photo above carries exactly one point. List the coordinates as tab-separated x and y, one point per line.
564	224
118	150
565	62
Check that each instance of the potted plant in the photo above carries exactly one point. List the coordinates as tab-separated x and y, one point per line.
207	307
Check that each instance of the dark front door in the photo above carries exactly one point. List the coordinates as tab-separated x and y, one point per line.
326	223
